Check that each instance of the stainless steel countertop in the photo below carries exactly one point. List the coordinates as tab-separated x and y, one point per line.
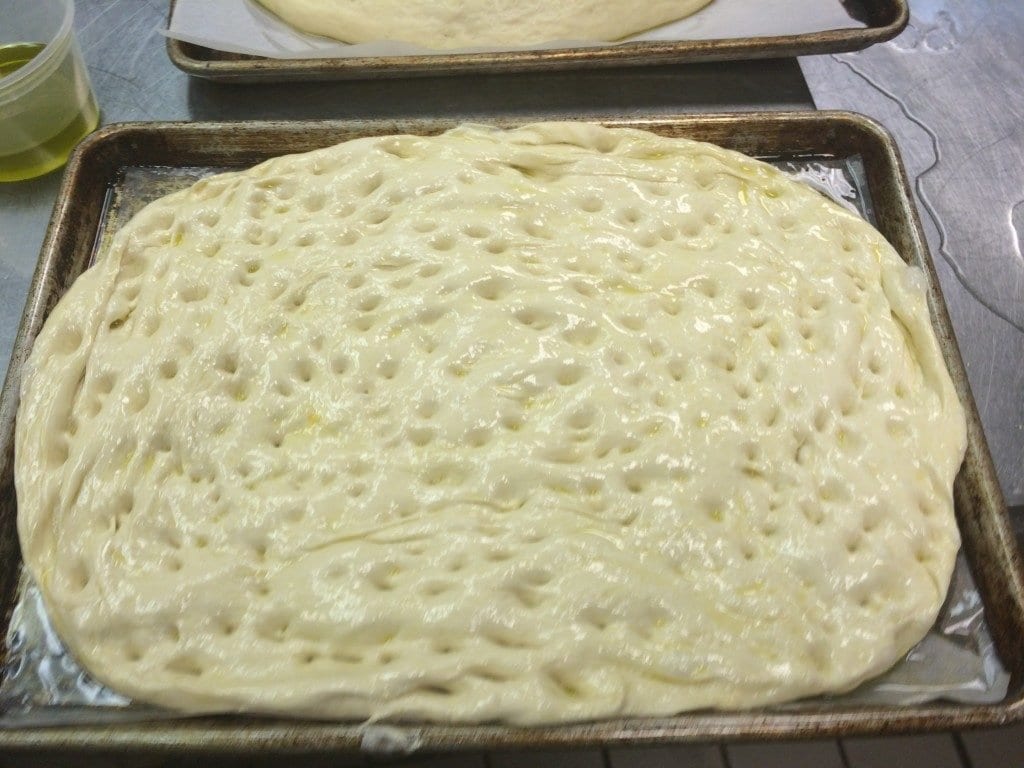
951	89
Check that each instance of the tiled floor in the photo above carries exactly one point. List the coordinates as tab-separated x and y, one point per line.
999	748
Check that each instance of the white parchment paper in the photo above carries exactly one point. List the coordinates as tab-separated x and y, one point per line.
243	26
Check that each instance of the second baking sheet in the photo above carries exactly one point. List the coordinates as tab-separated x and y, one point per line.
236	40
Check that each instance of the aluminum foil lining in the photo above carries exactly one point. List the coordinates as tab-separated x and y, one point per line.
956	661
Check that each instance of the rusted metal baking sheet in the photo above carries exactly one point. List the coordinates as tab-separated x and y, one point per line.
96	176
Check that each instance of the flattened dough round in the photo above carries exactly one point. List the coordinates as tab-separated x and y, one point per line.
468	23
556	423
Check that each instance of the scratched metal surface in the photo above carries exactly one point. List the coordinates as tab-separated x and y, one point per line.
951	88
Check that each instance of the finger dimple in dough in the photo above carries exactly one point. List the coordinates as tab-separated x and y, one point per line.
399	427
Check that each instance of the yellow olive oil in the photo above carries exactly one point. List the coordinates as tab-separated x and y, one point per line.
40	127
16	55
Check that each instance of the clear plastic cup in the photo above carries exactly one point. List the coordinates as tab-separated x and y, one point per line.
46	102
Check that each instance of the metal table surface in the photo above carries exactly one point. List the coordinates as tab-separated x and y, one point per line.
951	88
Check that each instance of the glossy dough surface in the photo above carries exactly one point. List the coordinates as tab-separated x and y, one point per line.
541	425
468	23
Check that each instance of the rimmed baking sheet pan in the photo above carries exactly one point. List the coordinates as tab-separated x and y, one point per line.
870	22
122	167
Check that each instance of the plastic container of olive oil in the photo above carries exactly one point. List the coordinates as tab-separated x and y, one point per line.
46	101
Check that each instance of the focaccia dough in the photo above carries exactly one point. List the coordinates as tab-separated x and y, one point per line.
468	23
539	425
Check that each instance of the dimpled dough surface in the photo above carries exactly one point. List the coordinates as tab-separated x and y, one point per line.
557	423
466	23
